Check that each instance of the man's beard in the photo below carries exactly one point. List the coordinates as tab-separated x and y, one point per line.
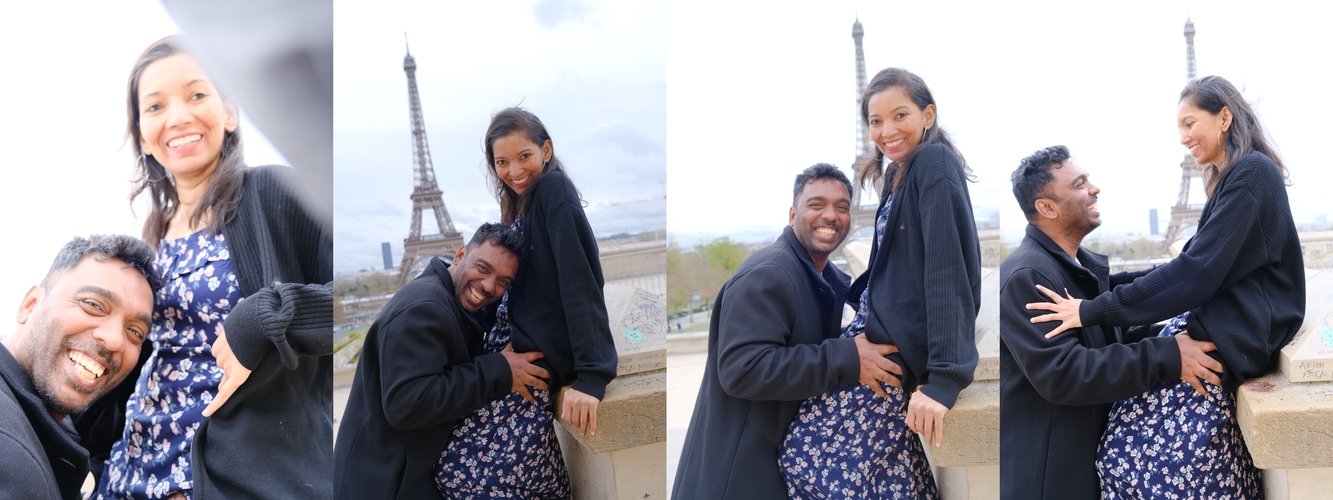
1077	222
47	350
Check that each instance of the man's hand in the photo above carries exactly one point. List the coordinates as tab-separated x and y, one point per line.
876	368
524	373
233	372
580	411
1064	310
925	416
1195	363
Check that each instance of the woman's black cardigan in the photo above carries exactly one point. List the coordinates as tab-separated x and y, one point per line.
925	278
1241	276
556	304
274	437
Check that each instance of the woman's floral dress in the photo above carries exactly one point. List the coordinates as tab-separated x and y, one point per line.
180	378
851	443
508	448
1170	442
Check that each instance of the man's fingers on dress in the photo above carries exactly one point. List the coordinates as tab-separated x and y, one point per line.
885	349
537	371
539	384
527	394
530	356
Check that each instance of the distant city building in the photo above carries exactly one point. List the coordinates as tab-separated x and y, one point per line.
1152	221
388	255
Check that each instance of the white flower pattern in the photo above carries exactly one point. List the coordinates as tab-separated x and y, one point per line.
151	460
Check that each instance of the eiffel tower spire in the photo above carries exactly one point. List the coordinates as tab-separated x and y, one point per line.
1183	214
864	147
426	192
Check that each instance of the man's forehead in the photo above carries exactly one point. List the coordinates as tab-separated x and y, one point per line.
1067	171
819	188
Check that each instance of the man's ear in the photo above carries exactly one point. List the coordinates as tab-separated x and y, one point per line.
791	216
458	256
1046	208
29	304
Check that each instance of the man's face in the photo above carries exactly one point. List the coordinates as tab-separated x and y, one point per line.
82	336
821	217
481	274
1074	198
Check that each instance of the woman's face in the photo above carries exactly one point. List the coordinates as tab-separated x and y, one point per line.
1203	133
182	120
896	123
519	161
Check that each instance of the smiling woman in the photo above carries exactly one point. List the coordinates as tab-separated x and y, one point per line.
246	270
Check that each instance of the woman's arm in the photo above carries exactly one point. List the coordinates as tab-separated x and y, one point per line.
1186	282
581	294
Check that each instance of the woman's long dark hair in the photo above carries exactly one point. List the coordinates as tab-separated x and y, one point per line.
510	121
871	171
224	191
1211	94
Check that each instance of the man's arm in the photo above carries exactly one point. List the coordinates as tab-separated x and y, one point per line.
419	387
754	362
1062	369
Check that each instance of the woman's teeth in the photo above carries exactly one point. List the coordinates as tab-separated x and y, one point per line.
184	141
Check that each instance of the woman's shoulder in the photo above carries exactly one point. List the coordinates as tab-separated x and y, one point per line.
936	161
1254	168
553	188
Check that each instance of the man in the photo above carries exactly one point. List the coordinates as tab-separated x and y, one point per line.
772	343
79	335
1055	393
422	368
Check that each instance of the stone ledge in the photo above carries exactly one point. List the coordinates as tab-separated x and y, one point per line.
685	343
632	413
972	428
1286	425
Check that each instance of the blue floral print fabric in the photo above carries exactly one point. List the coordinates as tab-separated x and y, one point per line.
508	448
851	443
180	377
1171	442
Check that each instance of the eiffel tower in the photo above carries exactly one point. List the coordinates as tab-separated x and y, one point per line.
1184	215
425	193
861	216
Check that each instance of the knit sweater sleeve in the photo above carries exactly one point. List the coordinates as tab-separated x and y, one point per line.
581	293
283	252
294	320
1192	278
951	309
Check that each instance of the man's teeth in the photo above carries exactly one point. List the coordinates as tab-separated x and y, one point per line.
826	231
476	296
184	141
88	368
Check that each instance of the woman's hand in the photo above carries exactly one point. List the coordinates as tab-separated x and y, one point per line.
925	416
580	410
233	372
1063	309
524	373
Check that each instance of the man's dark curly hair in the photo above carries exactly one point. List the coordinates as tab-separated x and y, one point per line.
102	248
499	234
816	172
1033	175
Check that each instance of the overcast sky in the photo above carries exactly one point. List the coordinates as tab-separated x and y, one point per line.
66	168
757	94
594	72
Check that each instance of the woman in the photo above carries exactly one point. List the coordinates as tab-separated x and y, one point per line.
243	265
555	306
921	293
1239	283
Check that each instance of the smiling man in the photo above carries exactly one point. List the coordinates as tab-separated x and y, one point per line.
423	367
1055	393
772	343
79	335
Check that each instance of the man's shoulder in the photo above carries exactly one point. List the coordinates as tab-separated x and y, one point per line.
770	262
1029	257
423	294
17	435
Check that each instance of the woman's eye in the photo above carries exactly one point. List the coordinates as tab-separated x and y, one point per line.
526	156
902	115
198	95
151	108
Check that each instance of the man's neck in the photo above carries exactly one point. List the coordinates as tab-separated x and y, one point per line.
1067	242
819	260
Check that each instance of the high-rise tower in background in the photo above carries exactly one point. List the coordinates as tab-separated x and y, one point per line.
425	193
1184	215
